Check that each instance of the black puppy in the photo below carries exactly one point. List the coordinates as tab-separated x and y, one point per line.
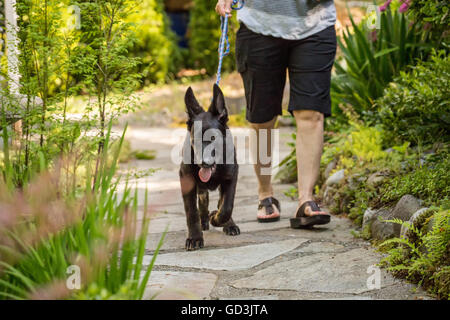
209	162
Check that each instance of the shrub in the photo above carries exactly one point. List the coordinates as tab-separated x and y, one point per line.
372	58
415	107
425	257
358	150
431	183
365	143
156	43
204	37
433	12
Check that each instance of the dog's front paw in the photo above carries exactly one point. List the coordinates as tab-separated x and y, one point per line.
232	230
212	218
194	243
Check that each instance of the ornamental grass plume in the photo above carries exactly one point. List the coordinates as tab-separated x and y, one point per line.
55	291
52	224
31	215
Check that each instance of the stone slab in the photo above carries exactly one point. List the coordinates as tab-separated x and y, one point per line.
323	272
316	247
172	222
174	285
215	239
231	259
252	226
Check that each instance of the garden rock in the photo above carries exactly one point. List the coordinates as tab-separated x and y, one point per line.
336	178
417	220
380	229
404	209
368	218
430	225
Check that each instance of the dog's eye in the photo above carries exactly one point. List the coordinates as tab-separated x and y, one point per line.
213	138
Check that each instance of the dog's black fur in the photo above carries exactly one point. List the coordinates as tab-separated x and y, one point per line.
224	175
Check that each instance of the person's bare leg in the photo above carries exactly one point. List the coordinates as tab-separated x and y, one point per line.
264	180
309	146
263	166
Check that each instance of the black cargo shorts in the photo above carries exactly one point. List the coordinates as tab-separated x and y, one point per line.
262	62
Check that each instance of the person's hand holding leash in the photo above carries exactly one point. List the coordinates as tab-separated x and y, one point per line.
223	7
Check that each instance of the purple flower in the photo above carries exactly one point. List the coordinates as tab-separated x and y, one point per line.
385	5
405	5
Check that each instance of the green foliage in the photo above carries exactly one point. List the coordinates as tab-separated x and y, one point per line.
292	193
356	144
156	44
365	143
425	257
144	154
56	62
95	292
237	120
359	200
103	61
97	232
204	37
58	181
44	64
372	58
43	38
415	107
403	170
431	183
434	12
359	150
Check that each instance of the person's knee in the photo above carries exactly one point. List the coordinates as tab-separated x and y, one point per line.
264	125
310	116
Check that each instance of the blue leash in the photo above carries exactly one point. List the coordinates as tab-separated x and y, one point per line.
224	44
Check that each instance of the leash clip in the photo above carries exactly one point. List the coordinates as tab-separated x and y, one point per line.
237	2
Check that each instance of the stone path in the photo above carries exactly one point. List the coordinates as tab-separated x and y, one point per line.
267	261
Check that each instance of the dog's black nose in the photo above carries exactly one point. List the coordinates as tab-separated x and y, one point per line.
207	165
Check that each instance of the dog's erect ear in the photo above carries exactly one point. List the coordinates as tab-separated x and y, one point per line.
192	106
217	107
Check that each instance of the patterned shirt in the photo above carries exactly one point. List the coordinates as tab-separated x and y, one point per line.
288	19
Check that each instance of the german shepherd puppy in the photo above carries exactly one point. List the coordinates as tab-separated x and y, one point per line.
209	162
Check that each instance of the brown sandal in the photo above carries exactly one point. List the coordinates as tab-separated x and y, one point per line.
270	215
301	220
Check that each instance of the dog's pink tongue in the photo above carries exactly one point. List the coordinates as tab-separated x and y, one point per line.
204	174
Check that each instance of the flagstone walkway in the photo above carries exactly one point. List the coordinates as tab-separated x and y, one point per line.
266	261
